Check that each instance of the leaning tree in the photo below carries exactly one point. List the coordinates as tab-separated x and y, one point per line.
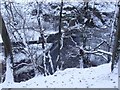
7	50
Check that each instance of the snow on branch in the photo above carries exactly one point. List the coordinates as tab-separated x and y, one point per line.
104	52
101	44
98	51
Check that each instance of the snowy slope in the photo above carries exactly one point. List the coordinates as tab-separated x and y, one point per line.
95	77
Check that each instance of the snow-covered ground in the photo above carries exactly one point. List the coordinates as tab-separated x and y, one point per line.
95	77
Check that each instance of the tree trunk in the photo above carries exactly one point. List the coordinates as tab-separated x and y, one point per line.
9	78
60	33
116	48
7	45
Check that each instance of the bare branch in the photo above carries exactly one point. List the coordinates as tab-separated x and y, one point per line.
98	51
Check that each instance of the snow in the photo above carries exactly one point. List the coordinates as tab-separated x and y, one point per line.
94	77
9	73
20	56
25	1
50	32
109	53
1	39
